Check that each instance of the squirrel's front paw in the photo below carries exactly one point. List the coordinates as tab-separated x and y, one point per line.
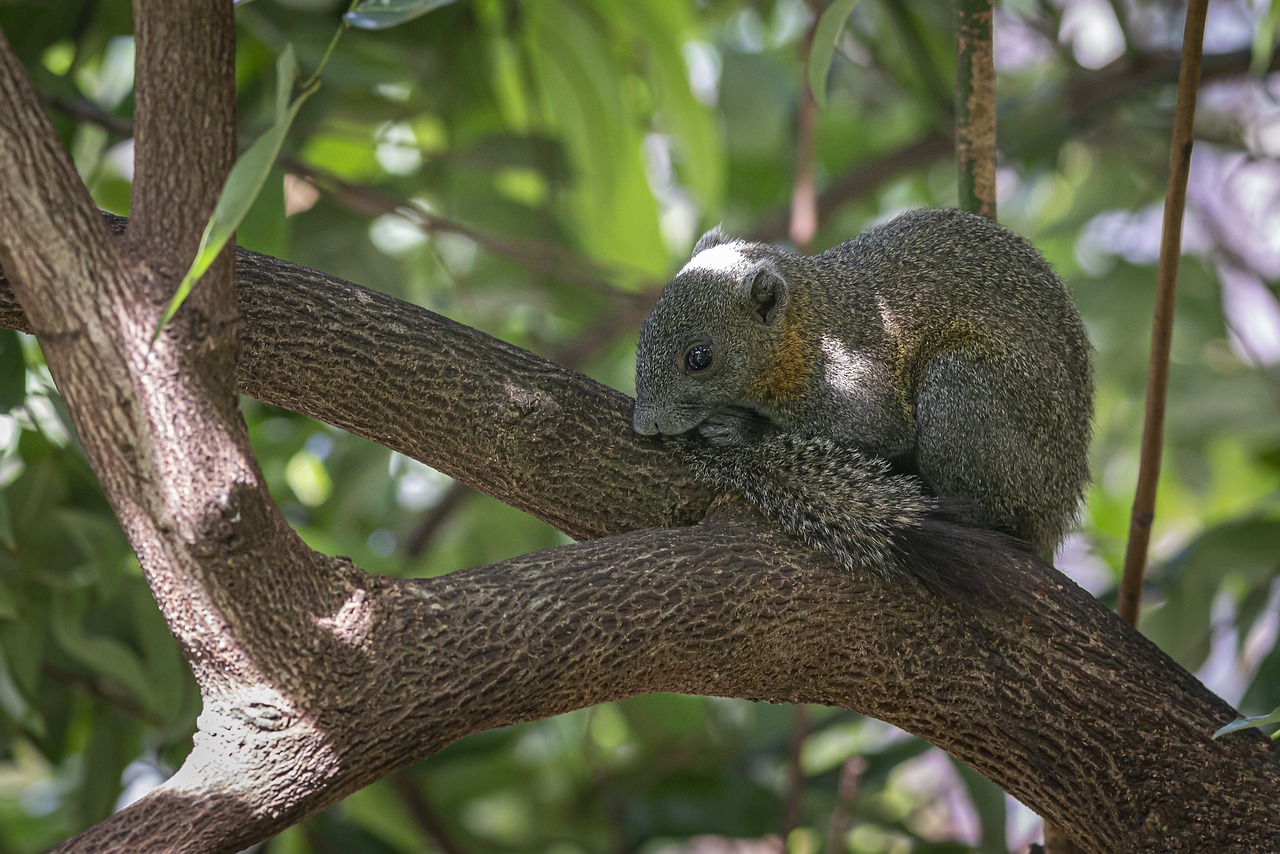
733	425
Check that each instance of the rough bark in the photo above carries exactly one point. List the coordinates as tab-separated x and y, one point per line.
518	427
1031	693
158	419
976	107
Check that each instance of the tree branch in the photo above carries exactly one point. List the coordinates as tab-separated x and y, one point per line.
976	107
416	664
692	610
158	419
516	426
184	133
1090	92
1144	499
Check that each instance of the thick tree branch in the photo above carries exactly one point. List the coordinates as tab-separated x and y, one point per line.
158	420
184	134
511	424
698	611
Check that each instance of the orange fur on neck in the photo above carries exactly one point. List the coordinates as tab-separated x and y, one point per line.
787	378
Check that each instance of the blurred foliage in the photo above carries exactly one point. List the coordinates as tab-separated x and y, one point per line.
527	168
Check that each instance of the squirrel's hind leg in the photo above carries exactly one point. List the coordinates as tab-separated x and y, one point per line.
982	442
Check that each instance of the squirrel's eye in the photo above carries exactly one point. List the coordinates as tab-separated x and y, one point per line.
697	358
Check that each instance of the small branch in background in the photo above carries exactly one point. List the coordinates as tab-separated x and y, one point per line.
1144	500
562	263
794	812
623	316
847	795
804	196
803	222
860	181
409	789
102	690
87	111
801	228
425	531
1086	100
538	256
976	107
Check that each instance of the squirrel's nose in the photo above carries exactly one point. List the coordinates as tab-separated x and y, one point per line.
644	420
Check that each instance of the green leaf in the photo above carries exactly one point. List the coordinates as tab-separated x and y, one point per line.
13	371
583	98
243	183
1264	40
8	600
6	525
383	14
662	28
105	656
1239	552
286	74
1249	723
112	745
825	36
988	803
169	675
15	705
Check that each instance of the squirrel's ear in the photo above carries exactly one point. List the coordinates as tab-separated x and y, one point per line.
714	237
768	290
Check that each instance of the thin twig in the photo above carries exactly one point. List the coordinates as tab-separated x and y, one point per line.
803	223
415	544
537	256
842	816
408	788
794	813
1144	500
1084	101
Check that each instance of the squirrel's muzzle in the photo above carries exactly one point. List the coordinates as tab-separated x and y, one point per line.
644	420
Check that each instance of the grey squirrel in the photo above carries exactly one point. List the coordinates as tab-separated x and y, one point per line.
925	379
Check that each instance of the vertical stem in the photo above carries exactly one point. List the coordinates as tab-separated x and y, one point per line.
803	224
1144	500
847	791
184	133
802	227
794	812
976	107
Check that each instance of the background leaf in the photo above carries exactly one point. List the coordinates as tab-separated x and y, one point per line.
381	14
826	36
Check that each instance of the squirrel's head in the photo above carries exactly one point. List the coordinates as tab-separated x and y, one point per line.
716	328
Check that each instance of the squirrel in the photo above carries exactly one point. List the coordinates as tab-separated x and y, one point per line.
882	401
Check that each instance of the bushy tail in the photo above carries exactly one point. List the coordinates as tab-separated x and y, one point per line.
854	507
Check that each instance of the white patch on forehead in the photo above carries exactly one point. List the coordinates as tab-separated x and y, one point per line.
725	258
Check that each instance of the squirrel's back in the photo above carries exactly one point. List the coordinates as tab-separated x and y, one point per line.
939	342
